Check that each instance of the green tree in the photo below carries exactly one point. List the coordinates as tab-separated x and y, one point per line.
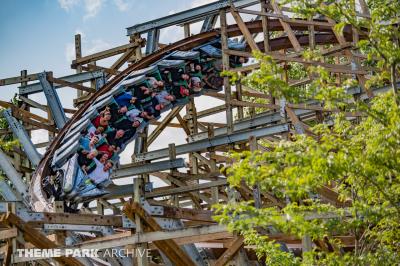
360	158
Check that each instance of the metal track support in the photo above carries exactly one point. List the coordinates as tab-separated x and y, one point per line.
23	137
14	176
53	101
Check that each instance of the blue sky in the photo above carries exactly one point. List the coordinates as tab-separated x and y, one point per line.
38	35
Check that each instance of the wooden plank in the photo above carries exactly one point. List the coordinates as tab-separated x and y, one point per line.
237	243
329	67
245	31
81	219
257	105
70	84
195	197
40	106
35	237
8	233
7	253
211	111
92	67
23	112
169	247
183	124
165	191
158	130
122	60
291	21
287	28
181	236
264	23
34	122
19	79
104	54
186	214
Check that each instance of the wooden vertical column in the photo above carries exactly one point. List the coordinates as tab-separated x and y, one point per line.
172	156
193	129
138	191
186	30
239	91
311	35
60	235
100	207
137	55
225	66
139	183
264	22
214	168
78	54
191	113
19	241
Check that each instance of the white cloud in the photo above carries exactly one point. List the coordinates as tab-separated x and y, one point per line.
197	3
88	46
67	4
122	5
92	7
97	46
171	34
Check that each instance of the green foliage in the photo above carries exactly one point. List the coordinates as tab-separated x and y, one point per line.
363	159
360	157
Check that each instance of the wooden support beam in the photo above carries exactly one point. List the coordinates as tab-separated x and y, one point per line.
195	197
165	191
329	67
237	243
183	124
122	60
6	250
19	79
245	31
181	237
70	84
28	117
40	106
8	233
360	76
251	104
34	122
104	54
158	130
174	253
264	23
211	111
92	67
287	28
187	214
23	113
225	66
35	237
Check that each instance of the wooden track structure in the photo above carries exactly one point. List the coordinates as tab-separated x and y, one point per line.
190	191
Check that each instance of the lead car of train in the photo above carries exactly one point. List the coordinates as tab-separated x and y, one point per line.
82	165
